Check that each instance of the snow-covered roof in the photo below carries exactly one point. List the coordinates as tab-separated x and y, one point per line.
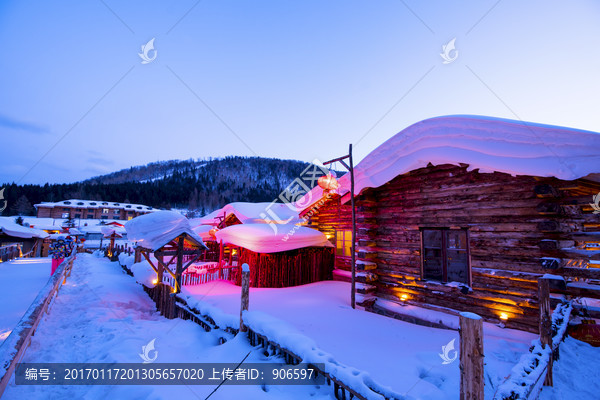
93	204
272	238
10	228
109	231
484	143
153	231
203	231
251	213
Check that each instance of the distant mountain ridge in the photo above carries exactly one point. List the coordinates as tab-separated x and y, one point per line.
201	185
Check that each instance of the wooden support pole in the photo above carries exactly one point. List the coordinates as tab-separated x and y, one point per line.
471	356
221	253
245	295
545	322
353	283
179	268
138	255
160	268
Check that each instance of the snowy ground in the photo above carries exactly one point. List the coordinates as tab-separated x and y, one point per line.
575	373
397	354
23	280
103	315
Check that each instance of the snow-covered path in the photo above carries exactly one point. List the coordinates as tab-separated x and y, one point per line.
103	315
26	277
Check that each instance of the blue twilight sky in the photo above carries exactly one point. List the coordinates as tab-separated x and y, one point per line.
288	79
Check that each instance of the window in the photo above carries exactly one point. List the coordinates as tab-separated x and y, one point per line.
117	211
90	216
343	243
129	218
65	215
77	215
105	211
104	217
445	255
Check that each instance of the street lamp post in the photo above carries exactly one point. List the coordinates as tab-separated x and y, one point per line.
350	168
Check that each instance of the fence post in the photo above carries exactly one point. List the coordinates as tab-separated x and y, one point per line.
245	295
545	322
471	356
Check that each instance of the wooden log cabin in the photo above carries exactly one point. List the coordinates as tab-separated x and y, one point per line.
265	235
464	213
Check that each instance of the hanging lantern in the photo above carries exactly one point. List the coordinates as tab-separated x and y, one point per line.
213	232
328	182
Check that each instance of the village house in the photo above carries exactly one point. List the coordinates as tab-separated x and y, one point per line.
91	209
464	213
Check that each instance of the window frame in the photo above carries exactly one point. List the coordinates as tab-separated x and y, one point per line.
444	255
344	241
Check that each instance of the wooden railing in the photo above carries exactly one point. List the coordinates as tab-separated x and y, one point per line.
14	347
9	252
226	273
535	365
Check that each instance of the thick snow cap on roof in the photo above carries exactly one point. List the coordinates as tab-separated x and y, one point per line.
11	228
153	231
203	231
251	213
485	143
271	238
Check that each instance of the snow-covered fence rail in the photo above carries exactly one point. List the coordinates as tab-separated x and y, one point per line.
527	377
9	252
227	273
14	347
272	336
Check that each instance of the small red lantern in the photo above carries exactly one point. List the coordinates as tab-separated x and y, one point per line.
213	232
328	182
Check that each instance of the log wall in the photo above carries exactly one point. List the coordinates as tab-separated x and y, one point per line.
519	228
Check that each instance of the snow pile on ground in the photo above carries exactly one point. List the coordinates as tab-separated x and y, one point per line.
249	213
575	373
272	238
143	273
288	337
153	231
26	276
9	227
126	260
119	319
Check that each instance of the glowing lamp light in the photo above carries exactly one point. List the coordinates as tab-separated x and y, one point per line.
154	281
328	182
504	316
404	297
213	232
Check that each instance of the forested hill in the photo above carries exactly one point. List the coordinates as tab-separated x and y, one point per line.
200	185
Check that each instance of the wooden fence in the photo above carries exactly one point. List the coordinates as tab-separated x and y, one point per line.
14	347
9	252
227	273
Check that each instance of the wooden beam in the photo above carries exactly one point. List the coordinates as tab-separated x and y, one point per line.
149	261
